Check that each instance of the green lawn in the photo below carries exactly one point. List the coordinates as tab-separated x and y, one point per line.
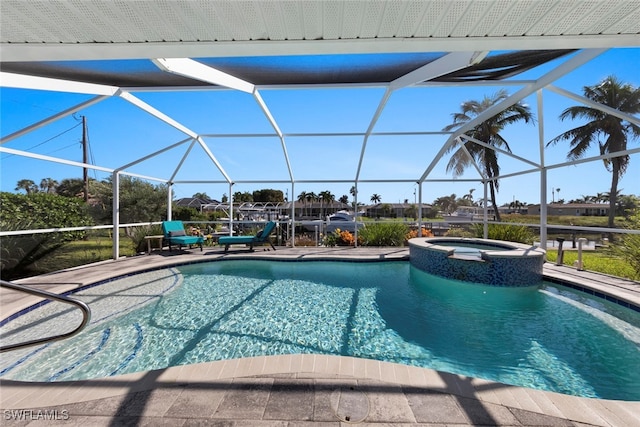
599	261
81	252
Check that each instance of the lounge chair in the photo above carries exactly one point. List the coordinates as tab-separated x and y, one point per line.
174	234
260	238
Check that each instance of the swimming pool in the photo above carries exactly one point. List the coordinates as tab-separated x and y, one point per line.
548	337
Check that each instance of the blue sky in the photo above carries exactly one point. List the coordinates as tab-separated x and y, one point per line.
120	133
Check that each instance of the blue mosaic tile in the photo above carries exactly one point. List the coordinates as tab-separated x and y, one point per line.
487	269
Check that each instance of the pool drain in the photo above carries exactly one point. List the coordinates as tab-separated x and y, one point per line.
350	405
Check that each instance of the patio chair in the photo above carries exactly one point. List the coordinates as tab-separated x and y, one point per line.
174	234
261	237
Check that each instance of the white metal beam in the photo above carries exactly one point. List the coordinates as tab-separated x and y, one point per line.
22	81
372	123
597	106
151	110
53	118
53	159
142	159
564	68
594	158
276	128
473	161
182	160
189	68
214	160
499	150
441	66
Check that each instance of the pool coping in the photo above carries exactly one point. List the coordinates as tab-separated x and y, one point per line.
16	394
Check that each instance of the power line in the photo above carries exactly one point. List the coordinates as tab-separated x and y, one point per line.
44	142
60	149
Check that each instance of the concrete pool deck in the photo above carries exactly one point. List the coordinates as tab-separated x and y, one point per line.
295	390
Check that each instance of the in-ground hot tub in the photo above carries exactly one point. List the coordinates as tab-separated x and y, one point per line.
491	262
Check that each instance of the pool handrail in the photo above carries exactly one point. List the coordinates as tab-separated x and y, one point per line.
86	315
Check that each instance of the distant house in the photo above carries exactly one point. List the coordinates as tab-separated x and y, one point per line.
394	210
315	209
194	202
576	209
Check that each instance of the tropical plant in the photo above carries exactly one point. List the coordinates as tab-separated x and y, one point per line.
344	199
73	187
446	204
302	197
516	205
616	131
27	185
311	197
506	232
268	195
242	197
138	234
376	198
469	196
201	196
488	132
411	212
627	205
628	247
48	185
327	198
383	234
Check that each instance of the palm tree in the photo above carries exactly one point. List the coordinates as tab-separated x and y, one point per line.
616	131
201	196
447	204
27	185
353	191
344	199
48	185
469	196
327	198
376	198
302	197
488	132
311	197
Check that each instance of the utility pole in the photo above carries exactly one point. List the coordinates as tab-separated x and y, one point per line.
85	159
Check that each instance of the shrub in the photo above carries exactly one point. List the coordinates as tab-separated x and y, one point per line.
459	232
138	234
628	247
305	241
506	232
36	211
414	233
340	238
384	234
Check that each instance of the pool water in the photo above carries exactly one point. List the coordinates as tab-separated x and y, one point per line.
470	249
547	337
